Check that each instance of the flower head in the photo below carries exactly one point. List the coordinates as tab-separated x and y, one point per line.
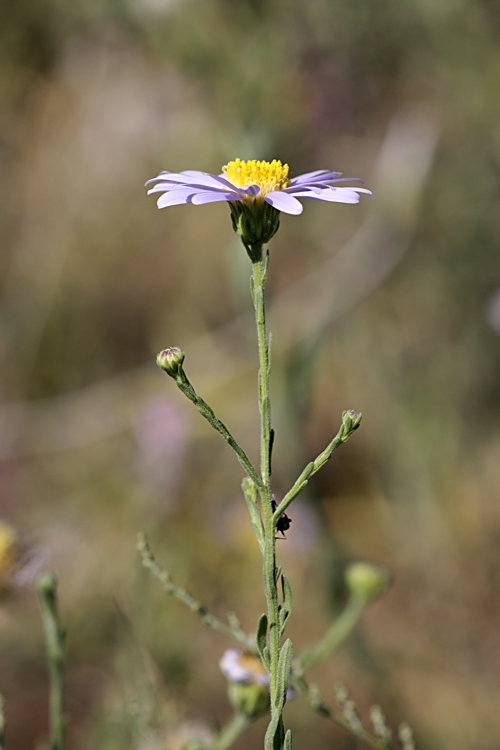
248	688
242	667
257	191
250	181
248	681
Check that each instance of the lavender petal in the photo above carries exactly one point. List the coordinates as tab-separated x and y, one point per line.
212	197
161	176
320	175
168	187
204	183
210	179
175	198
280	200
333	195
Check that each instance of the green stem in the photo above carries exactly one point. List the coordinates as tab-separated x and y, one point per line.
234	728
46	587
316	703
269	567
350	422
184	596
333	637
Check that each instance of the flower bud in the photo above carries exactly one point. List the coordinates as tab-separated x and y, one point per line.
251	699
366	580
255	222
248	687
350	422
171	360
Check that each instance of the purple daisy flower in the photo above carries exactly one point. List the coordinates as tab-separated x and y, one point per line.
253	181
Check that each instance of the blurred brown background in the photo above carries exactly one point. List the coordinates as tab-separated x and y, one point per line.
391	308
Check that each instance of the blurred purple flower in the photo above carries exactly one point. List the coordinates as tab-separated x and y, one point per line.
161	434
253	180
238	666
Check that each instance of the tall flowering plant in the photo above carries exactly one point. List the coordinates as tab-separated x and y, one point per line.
262	671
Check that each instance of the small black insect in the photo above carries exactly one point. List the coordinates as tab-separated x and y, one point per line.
284	521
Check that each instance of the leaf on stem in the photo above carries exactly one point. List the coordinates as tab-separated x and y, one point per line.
261	639
272	729
284	666
288	740
286	607
250	493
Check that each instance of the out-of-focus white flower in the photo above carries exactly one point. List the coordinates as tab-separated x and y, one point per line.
19	560
248	681
243	668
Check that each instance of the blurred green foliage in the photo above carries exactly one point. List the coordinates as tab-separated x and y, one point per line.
96	97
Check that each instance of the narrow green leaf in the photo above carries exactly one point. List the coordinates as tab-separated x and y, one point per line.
250	492
286	607
249	489
261	639
271	444
288	740
277	573
284	666
271	730
267	656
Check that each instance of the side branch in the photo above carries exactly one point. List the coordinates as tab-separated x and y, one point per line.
171	361
350	422
233	631
348	719
46	587
334	636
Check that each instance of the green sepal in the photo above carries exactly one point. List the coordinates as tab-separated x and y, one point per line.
286	607
284	666
261	638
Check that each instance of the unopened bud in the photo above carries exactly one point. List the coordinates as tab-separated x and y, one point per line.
366	580
350	422
171	360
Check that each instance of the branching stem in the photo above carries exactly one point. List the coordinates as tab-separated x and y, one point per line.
236	725
275	734
186	598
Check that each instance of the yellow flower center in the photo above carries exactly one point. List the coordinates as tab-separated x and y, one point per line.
269	176
254	665
9	549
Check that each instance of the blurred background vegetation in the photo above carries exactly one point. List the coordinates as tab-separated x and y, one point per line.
391	308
